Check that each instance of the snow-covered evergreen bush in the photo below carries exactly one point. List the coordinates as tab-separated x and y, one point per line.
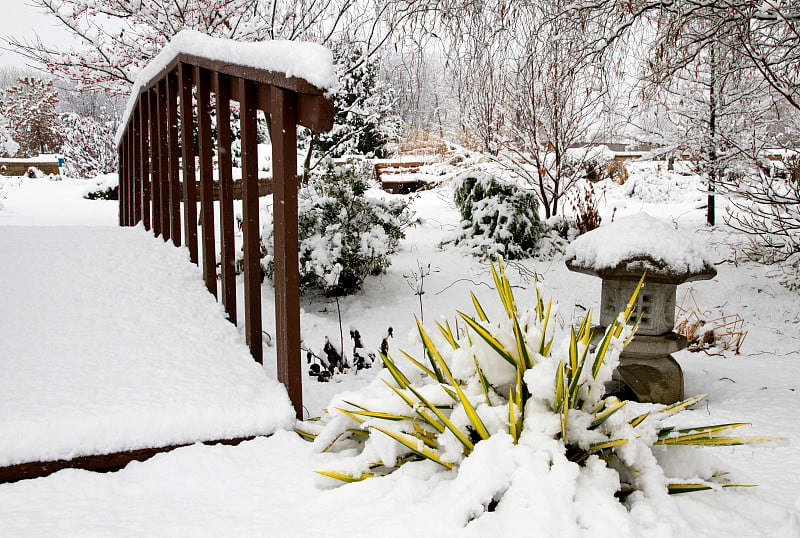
103	187
526	405
89	147
499	218
345	234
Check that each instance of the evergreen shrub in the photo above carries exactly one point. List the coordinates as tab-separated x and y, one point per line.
499	218
345	234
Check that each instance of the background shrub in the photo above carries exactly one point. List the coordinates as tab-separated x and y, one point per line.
498	217
345	235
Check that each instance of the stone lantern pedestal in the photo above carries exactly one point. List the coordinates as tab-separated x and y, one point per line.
647	371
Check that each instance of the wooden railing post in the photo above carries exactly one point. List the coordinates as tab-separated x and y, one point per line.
131	175
187	148
144	156
163	159
155	152
206	178
287	276
137	164
174	159
222	85
248	100
121	182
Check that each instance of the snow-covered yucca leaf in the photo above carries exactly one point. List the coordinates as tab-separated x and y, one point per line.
601	417
680	406
638	420
493	342
502	291
544	346
438	426
344	477
427	437
675	489
596	447
558	402
419	365
478	308
482	378
472	415
468	445
305	435
350	414
381	415
399	377
700	431
448	334
411	444
512	416
433	354
526	361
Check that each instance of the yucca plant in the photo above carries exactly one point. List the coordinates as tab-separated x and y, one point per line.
482	378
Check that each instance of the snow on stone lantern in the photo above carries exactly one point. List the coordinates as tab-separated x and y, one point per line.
619	253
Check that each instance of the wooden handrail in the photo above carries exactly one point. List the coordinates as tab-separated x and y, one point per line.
151	189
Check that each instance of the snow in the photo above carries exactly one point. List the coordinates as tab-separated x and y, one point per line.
304	60
637	236
267	486
110	342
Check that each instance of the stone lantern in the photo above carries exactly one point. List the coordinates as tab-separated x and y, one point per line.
619	253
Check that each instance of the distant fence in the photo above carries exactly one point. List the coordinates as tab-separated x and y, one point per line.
151	190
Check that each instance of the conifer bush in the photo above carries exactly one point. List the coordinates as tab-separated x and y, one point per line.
511	387
498	218
345	235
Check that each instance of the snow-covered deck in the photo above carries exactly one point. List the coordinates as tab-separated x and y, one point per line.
109	342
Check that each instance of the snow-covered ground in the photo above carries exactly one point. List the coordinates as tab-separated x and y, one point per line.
267	486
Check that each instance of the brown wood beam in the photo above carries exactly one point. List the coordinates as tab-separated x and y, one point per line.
248	92
187	147
204	142
100	463
287	278
222	86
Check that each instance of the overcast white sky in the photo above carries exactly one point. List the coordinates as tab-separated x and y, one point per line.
19	19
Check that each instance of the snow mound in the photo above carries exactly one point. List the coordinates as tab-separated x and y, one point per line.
110	342
638	241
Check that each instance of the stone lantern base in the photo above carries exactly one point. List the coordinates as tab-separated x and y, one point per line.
647	372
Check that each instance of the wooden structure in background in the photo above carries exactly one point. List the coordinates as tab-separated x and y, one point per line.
151	190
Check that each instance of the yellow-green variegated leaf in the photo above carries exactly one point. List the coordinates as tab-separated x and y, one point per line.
419	365
544	348
674	489
512	416
461	436
448	334
411	444
606	413
719	441
399	377
558	403
381	415
344	477
607	444
522	347
478	308
482	378
305	435
638	420
433	353
685	404
493	342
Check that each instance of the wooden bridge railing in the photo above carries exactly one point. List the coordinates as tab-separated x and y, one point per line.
151	189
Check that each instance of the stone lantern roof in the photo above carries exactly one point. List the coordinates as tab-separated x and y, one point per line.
624	249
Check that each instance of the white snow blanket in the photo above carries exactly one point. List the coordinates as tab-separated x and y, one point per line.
110	342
